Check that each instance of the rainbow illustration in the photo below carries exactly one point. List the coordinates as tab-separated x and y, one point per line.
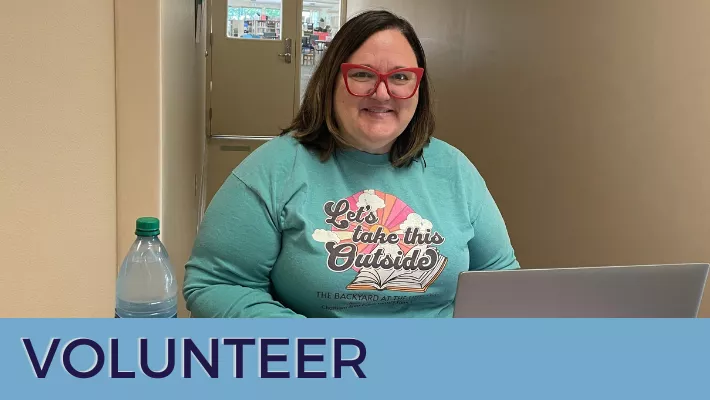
391	212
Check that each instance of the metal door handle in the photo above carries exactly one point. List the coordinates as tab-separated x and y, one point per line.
287	57
287	51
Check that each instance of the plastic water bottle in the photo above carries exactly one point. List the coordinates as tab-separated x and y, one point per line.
146	285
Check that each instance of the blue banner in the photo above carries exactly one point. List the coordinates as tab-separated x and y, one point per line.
356	359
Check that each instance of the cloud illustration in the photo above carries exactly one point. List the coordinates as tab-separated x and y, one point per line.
369	198
415	220
323	236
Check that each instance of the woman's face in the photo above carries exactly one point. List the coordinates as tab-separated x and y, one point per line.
373	123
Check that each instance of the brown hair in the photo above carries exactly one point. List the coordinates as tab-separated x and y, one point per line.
315	125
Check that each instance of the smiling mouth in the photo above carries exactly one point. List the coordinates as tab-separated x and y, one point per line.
377	110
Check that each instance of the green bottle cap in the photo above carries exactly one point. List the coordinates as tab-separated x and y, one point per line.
147	226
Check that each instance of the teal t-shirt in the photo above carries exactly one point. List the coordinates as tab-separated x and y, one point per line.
288	235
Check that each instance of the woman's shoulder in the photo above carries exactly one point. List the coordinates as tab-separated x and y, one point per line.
450	163
285	146
273	157
440	154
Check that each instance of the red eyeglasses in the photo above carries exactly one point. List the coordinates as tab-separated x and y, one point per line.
362	81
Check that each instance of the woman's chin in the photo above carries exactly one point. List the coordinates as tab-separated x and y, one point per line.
378	142
381	131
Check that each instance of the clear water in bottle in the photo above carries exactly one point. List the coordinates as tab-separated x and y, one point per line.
146	285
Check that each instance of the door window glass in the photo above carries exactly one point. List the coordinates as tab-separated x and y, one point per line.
248	19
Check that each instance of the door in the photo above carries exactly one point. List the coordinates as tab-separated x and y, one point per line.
253	66
251	81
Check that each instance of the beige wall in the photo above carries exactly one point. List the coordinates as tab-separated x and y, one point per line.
589	120
138	115
160	86
182	77
57	159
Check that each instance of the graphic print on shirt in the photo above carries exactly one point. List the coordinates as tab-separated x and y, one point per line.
383	241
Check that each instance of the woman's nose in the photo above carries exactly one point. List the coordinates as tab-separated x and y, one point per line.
380	92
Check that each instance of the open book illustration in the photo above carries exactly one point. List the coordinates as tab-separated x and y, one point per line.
416	280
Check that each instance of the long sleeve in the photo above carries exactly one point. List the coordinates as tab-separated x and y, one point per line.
490	248
228	274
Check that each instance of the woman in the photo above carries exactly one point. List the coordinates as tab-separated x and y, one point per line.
354	210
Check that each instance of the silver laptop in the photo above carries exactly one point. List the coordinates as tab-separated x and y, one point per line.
639	291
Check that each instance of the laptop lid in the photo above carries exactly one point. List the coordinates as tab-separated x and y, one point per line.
640	291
